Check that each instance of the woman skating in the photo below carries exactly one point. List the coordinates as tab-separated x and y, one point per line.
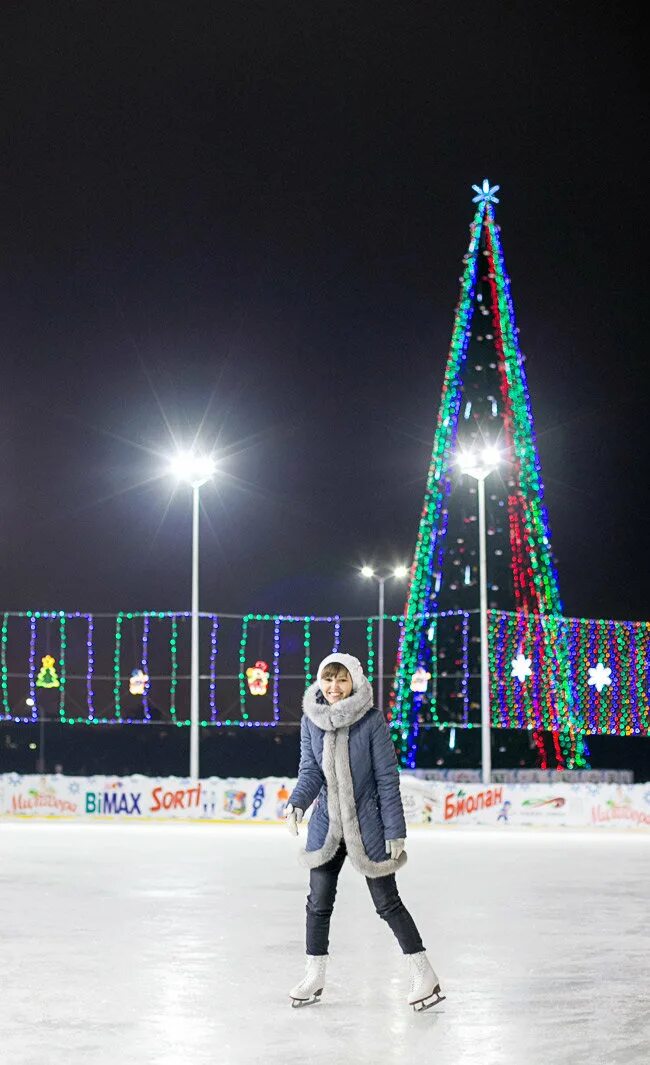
349	771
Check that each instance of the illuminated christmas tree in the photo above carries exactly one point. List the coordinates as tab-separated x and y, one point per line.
485	403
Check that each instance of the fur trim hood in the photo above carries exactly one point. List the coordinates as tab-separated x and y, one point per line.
338	715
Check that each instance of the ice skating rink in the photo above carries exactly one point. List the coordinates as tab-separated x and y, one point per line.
173	944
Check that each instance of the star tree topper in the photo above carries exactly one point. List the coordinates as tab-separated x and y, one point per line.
486	193
600	676
521	667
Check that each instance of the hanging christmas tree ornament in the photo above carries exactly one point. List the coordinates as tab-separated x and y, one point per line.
420	680
138	682
521	667
47	677
258	678
600	676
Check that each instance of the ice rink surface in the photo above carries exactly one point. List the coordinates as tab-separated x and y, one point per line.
173	944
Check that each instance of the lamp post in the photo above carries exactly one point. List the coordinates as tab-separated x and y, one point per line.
195	470
480	467
368	572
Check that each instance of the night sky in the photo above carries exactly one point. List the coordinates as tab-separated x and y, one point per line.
248	219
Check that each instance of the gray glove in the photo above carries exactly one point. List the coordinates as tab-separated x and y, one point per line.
395	847
294	817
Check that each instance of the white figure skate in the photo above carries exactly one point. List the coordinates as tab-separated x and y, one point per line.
310	988
424	983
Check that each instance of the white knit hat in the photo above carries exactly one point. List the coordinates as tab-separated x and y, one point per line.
352	664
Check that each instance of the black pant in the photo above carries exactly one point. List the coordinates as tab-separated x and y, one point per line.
389	906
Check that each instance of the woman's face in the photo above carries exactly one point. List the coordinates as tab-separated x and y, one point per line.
337	687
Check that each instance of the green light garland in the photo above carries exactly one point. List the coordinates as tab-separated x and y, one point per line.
370	668
63	644
173	680
242	664
307	645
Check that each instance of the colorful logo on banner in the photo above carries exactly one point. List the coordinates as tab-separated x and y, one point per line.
258	800
114	803
282	798
178	799
459	804
234	802
42	800
619	810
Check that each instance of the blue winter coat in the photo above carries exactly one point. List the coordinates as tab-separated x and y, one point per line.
349	770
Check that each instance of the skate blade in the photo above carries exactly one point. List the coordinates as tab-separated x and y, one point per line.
425	1004
297	1003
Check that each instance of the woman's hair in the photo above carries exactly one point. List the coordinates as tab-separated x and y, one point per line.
334	669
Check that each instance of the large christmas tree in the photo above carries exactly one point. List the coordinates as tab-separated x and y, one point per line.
485	403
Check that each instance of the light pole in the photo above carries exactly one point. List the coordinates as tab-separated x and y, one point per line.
195	470
479	467
368	572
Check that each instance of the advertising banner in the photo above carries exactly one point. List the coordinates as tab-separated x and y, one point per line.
133	798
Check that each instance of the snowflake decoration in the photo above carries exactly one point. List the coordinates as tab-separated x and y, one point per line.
600	676
521	667
486	193
73	787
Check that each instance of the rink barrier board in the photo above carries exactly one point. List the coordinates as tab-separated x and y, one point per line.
246	800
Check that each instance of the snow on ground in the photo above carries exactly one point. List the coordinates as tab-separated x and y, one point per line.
175	944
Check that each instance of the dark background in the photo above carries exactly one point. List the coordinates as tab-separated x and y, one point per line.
248	218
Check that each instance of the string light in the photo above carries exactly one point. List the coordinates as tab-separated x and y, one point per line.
146	623
307	645
465	668
214	634
276	670
173	680
62	650
370	670
90	655
32	663
3	667
619	708
612	654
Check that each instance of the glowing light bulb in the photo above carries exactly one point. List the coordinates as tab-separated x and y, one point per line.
467	461
194	469
490	456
